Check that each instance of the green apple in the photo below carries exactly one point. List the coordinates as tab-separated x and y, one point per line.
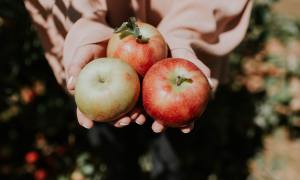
106	89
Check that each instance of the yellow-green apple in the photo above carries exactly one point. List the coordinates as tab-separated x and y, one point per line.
175	92
106	89
139	44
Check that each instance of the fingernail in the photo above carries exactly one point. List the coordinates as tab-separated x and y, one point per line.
85	125
134	116
139	122
70	81
186	131
158	129
124	123
210	82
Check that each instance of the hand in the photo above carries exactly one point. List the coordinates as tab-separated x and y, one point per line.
73	66
134	116
157	126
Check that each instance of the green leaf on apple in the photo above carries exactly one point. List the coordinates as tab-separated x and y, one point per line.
131	28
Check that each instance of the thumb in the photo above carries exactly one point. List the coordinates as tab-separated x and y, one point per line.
191	56
80	59
84	55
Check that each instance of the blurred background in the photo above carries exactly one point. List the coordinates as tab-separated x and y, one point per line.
251	129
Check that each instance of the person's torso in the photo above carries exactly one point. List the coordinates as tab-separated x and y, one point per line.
67	12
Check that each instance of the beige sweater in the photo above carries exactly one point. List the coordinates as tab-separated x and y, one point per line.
208	28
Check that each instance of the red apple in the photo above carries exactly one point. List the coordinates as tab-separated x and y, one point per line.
139	44
175	92
40	174
31	157
106	89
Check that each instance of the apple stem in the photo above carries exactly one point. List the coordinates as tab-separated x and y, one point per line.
131	28
101	80
180	80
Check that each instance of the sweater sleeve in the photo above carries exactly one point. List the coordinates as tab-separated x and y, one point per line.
208	29
90	28
63	26
42	18
216	27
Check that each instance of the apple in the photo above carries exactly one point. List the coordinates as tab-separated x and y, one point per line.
106	89
175	92
139	44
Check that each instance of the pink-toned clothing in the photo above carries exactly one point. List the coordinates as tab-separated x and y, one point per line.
208	28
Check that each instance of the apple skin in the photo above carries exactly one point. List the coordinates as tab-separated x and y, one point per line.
139	55
106	89
172	104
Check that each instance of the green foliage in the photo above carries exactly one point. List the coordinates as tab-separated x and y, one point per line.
274	162
35	113
267	64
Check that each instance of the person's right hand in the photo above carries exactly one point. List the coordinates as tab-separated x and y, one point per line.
73	66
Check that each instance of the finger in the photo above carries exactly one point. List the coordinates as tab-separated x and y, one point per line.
158	127
122	122
83	120
141	119
205	70
187	129
191	56
84	55
135	113
213	84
